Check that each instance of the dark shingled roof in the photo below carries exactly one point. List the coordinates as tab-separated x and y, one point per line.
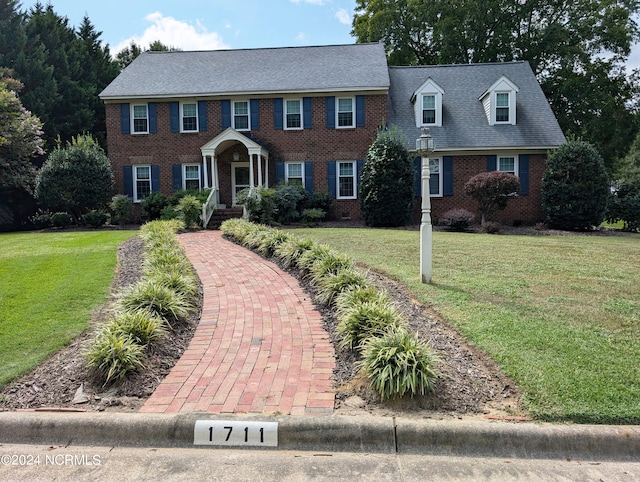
357	67
464	122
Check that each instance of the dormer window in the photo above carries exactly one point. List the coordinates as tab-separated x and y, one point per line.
427	100
499	102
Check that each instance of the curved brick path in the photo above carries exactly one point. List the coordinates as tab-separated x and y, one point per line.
260	346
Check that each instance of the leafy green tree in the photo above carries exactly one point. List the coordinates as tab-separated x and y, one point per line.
575	187
13	37
492	190
563	41
20	142
386	187
75	179
133	50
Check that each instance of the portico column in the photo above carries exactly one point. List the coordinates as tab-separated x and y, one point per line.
205	172
251	179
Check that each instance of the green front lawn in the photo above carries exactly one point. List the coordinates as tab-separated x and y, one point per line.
560	314
50	283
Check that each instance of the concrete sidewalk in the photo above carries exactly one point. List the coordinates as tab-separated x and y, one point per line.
260	346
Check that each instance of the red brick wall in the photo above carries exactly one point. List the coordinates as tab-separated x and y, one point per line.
318	145
527	209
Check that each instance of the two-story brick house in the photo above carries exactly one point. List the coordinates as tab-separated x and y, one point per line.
242	118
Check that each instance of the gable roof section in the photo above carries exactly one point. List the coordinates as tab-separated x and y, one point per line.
464	122
333	68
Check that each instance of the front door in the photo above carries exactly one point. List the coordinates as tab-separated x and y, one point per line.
239	178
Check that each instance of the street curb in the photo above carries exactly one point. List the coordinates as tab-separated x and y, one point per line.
335	434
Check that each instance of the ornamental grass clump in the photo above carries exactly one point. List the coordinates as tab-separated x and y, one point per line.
331	285
182	281
236	228
312	255
358	294
153	297
398	363
290	250
329	264
270	241
143	328
366	319
113	356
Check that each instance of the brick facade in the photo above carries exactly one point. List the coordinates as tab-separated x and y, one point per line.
526	209
317	145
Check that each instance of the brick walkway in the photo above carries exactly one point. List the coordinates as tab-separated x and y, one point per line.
260	346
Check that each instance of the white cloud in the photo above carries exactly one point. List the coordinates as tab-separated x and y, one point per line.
301	37
311	2
343	17
175	33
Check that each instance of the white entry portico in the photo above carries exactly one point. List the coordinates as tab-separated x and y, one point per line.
258	161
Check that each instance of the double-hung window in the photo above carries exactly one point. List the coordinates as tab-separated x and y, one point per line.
508	164
346	180
428	109
502	107
435	177
294	173
345	112
191	176
141	182
241	115
189	117
140	119
293	114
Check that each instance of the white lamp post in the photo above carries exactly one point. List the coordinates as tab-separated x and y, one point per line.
424	145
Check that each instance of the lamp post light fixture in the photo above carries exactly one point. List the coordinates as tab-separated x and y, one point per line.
424	145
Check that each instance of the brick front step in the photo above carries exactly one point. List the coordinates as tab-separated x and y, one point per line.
220	215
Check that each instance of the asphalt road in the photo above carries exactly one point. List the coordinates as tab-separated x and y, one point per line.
57	463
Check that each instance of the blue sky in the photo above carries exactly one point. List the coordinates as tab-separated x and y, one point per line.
215	24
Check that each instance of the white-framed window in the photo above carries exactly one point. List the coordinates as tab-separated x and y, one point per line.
346	180
435	177
294	173
499	102
191	176
141	182
428	109
140	119
293	114
502	107
507	164
189	117
241	115
345	112
427	100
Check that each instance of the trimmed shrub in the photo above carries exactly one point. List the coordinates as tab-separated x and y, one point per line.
259	203
95	218
113	356
76	178
154	204
492	190
288	200
491	227
457	219
575	187
398	363
41	219
121	207
61	220
386	187
312	217
320	200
